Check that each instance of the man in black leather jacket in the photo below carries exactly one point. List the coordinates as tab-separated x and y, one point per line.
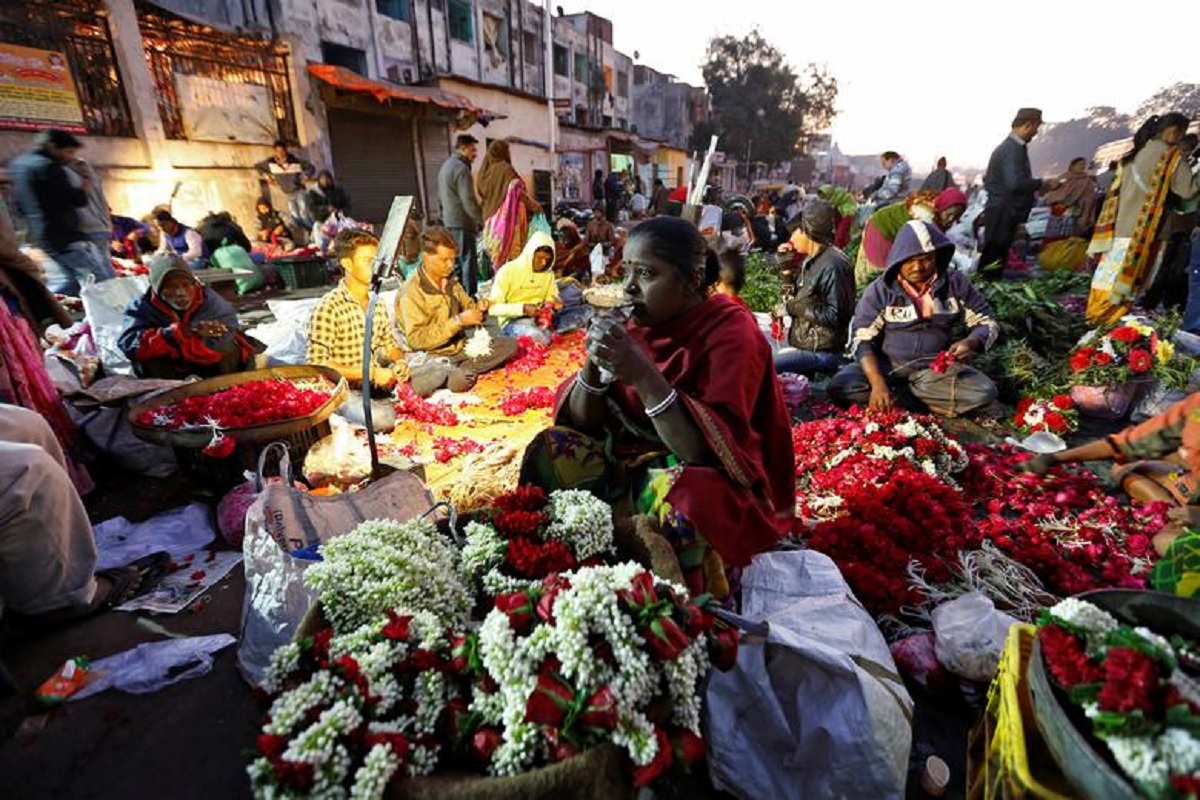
822	302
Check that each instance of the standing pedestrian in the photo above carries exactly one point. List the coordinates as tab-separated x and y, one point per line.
1010	189
598	187
461	214
289	172
614	193
50	203
95	218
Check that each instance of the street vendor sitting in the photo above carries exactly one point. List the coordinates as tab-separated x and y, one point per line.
438	317
338	326
677	415
901	337
525	296
1157	460
180	328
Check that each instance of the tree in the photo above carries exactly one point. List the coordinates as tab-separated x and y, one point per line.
760	107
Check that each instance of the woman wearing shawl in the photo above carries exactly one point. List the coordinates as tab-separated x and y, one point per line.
506	205
1127	233
942	209
571	253
657	424
1072	204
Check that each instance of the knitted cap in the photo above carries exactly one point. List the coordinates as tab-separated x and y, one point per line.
162	265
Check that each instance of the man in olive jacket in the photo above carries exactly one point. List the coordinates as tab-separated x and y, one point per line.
822	302
461	214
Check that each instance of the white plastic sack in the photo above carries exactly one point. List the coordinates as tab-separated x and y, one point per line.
296	313
148	667
970	636
286	344
179	531
815	707
283	520
104	305
597	260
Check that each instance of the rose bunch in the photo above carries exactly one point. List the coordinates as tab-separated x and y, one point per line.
1130	350
587	658
1055	415
1127	683
530	535
343	725
242	406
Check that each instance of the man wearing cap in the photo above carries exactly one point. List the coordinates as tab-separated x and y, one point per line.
461	214
50	202
904	328
822	301
1010	189
180	328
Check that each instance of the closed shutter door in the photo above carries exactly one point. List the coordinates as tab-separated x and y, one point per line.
435	149
373	159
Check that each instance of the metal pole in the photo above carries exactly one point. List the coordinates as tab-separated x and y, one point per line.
551	117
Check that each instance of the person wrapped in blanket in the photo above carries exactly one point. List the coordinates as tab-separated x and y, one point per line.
906	320
1155	460
657	424
180	327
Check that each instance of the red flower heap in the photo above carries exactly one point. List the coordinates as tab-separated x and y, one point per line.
515	402
531	355
410	404
1131	683
243	406
521	518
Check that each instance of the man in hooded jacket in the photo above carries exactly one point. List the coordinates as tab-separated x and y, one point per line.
903	329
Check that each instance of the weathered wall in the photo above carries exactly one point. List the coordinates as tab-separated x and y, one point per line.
523	118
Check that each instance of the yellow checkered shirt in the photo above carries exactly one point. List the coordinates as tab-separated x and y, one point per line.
335	332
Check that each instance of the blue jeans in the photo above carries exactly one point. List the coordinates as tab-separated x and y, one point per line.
72	267
1191	312
806	362
525	326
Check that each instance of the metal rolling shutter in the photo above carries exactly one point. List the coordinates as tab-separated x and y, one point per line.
435	149
373	159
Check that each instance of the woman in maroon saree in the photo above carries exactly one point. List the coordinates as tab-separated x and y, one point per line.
692	430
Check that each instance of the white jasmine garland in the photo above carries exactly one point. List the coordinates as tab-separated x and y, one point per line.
1139	758
371	779
479	345
1093	621
384	565
284	661
1181	751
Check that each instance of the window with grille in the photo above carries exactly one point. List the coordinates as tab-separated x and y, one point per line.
76	29
396	9
174	46
460	22
533	48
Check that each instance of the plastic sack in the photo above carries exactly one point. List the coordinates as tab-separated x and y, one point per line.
285	343
597	260
152	666
1157	399
539	223
231	512
1063	254
916	656
235	259
283	520
814	707
970	636
104	305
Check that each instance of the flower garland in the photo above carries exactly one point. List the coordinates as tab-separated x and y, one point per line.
1126	681
1056	415
530	536
383	565
341	722
242	406
583	660
412	405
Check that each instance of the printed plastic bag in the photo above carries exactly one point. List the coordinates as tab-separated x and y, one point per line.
104	304
151	666
814	707
284	520
970	636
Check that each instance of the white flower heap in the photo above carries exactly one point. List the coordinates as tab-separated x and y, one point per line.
602	654
384	566
529	536
479	345
341	726
1129	682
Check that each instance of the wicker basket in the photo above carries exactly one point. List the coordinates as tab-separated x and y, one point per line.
298	434
1062	726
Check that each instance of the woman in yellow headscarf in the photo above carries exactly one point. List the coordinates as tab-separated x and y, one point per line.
1127	231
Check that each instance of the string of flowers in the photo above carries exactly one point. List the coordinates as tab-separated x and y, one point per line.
384	565
587	658
1126	680
242	406
530	536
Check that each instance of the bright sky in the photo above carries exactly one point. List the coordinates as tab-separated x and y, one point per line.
932	77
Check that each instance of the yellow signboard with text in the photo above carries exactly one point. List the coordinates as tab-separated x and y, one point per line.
37	90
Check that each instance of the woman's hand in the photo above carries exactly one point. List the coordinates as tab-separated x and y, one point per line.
609	347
